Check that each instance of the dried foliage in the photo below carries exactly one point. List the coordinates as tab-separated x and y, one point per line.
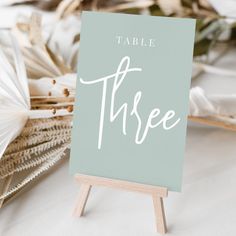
49	91
42	143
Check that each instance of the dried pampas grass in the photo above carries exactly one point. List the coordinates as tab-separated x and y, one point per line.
42	143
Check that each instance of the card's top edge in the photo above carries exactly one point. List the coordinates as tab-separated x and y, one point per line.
193	20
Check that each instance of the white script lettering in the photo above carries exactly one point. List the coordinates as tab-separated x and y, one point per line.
118	78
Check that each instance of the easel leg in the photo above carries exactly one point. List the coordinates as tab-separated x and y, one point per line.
160	214
83	197
157	193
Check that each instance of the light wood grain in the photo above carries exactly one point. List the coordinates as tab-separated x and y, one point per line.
157	193
159	213
83	198
120	184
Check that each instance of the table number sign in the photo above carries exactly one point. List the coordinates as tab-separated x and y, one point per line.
132	98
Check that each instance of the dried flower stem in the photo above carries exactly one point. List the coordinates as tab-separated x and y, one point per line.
210	121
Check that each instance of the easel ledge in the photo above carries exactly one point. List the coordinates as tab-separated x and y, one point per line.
157	193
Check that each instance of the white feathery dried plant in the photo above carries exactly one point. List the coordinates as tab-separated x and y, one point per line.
49	50
14	97
34	134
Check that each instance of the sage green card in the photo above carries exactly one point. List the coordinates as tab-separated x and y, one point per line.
132	97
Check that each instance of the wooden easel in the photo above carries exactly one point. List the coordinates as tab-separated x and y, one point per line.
157	193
